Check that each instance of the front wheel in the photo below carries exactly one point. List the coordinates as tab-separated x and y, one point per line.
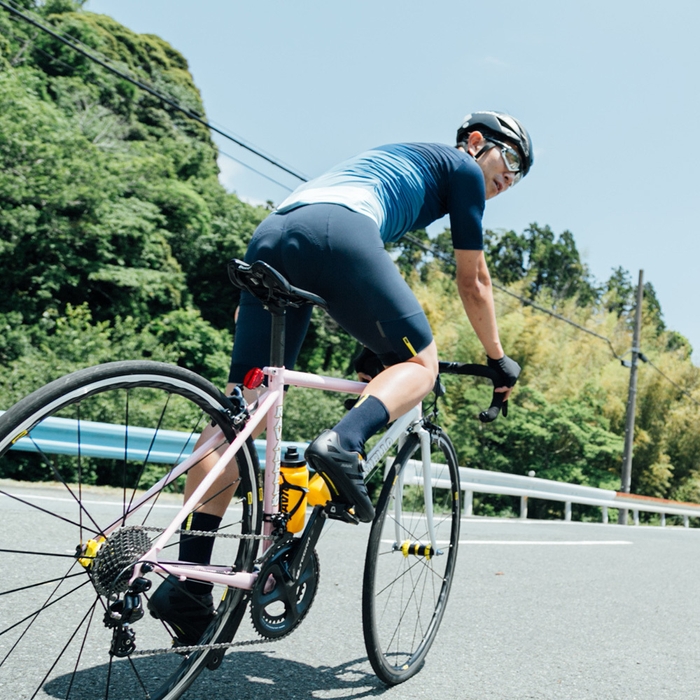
411	558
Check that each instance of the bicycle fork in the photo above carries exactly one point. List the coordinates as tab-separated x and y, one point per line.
416	475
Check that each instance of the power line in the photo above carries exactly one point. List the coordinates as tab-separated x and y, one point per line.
58	61
524	300
668	379
74	44
257	172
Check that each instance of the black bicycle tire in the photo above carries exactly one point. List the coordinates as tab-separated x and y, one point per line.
72	388
386	671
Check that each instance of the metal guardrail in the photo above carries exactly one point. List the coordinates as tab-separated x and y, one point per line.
61	436
530	487
110	441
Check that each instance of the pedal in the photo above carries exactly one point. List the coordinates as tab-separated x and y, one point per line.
342	512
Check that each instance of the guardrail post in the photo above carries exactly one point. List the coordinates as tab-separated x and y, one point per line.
636	517
663	519
686	521
468	502
567	511
605	514
523	507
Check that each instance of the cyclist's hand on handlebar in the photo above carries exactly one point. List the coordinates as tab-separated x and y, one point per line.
367	365
508	371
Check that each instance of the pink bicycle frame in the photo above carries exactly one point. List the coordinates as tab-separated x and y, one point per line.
270	408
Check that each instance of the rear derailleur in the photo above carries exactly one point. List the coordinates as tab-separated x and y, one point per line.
121	614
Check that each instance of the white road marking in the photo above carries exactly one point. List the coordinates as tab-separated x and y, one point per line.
33	497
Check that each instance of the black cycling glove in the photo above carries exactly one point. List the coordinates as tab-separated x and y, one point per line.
368	362
508	369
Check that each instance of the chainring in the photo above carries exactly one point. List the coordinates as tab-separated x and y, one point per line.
278	603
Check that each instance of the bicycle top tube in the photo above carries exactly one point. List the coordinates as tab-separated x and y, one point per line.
316	381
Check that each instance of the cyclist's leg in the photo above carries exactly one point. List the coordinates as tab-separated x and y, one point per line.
401	386
368	297
251	346
251	349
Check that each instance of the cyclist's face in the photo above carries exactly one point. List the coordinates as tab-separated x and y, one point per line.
497	177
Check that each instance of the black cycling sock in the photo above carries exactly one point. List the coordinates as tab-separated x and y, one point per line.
197	548
361	422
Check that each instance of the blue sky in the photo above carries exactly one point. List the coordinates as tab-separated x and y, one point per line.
609	91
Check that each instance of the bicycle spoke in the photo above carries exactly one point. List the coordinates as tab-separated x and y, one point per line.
37	554
398	577
145	461
41	583
108	680
38	612
406	583
176	462
62	481
63	651
47	512
138	677
82	648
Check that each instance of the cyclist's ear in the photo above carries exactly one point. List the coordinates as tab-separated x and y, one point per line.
475	142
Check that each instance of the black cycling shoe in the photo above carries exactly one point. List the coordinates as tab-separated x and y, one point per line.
188	614
342	471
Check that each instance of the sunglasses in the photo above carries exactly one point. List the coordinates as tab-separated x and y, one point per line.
511	158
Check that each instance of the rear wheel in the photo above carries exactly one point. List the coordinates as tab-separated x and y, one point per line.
74	458
408	571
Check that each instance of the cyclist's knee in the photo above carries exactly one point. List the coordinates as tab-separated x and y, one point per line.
428	358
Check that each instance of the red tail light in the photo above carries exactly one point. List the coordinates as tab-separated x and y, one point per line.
253	378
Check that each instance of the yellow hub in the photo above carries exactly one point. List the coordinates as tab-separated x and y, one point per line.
418	550
90	550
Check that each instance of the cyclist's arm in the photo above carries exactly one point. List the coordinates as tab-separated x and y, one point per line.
476	292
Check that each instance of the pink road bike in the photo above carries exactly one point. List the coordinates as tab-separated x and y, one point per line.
79	563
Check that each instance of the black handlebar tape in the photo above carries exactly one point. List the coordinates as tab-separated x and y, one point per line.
497	405
497	402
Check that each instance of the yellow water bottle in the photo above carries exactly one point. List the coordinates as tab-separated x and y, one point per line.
294	483
319	494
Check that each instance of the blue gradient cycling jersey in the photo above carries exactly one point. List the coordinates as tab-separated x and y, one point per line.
403	187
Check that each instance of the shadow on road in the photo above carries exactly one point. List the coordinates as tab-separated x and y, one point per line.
245	675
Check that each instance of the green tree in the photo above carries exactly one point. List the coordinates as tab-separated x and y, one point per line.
543	260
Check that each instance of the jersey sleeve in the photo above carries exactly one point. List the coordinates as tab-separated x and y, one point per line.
465	203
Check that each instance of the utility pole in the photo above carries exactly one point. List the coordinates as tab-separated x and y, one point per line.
631	399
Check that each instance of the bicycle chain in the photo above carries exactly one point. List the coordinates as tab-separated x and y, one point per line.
197	647
201	647
205	533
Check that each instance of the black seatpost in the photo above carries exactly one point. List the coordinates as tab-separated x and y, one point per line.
277	333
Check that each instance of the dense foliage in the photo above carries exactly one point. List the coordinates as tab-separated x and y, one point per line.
112	216
114	233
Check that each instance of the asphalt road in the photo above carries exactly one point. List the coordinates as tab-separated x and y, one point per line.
538	610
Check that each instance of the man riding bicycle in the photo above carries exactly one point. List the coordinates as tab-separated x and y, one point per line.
328	238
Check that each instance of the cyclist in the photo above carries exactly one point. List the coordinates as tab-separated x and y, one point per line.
328	237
